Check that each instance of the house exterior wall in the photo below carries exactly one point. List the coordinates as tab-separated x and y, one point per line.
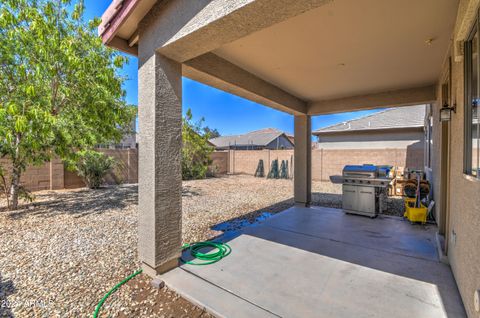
380	139
463	200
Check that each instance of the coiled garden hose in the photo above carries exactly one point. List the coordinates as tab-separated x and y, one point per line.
223	250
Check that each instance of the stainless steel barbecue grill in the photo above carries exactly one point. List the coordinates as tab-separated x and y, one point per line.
364	188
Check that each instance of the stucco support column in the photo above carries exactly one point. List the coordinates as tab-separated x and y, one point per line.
160	181
303	160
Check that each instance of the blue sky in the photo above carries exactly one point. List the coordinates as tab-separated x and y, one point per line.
228	113
231	114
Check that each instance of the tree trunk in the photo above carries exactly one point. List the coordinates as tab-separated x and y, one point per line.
14	188
16	172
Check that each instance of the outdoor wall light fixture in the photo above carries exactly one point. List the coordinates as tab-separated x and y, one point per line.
429	41
446	112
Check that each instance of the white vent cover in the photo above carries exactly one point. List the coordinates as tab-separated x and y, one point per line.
476	300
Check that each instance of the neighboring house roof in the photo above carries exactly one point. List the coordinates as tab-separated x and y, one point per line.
392	118
291	138
254	138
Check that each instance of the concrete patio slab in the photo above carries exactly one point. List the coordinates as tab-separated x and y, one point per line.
319	262
385	233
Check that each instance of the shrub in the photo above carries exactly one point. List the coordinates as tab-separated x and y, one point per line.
92	166
196	149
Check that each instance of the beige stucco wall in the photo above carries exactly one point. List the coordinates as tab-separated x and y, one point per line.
381	139
463	217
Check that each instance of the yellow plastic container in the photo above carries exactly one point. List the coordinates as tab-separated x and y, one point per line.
415	214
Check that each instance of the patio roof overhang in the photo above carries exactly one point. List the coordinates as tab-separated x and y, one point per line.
311	57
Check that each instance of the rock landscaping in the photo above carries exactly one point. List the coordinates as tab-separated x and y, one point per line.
63	252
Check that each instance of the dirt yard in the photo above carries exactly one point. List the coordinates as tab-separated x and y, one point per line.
62	253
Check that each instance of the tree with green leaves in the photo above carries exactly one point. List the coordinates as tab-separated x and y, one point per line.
60	91
196	149
213	133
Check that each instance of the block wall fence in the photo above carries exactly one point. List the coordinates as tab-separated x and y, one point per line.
53	175
325	163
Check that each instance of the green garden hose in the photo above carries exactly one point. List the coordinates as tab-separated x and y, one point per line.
222	250
97	309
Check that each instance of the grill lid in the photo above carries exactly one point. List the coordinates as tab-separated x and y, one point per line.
358	168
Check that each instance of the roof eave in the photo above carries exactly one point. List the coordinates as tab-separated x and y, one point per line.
112	20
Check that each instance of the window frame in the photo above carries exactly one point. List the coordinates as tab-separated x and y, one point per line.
429	136
468	50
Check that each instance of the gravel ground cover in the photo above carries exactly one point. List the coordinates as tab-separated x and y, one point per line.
62	253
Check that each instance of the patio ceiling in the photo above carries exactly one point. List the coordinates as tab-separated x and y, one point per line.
302	57
348	48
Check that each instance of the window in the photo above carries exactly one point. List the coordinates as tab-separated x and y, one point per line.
472	93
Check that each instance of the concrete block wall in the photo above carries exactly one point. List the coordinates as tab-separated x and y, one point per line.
57	174
126	167
125	170
37	177
246	161
54	175
72	180
219	162
49	175
325	162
